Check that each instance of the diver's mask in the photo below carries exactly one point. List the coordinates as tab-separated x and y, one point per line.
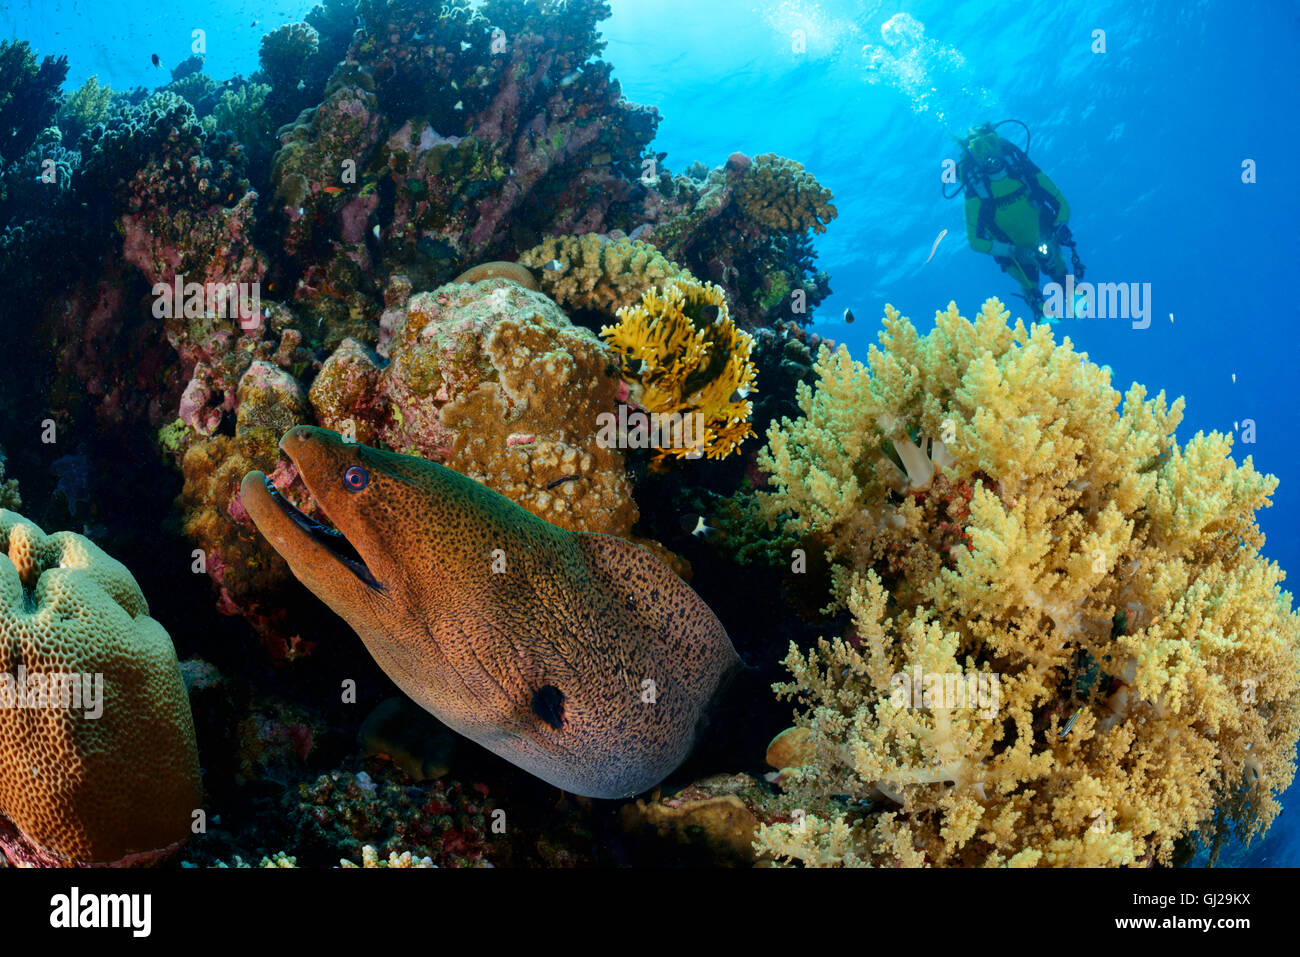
986	149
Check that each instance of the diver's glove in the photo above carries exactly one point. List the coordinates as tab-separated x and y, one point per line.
1063	235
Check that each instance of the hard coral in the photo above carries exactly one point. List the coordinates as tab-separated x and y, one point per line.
9	497
781	195
598	273
746	227
1001	524
29	96
83	782
443	821
683	356
492	380
83	109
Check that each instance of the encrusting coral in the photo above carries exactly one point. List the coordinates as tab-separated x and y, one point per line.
98	762
683	357
596	272
1066	650
490	379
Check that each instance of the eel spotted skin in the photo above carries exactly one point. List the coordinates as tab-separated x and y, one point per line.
581	658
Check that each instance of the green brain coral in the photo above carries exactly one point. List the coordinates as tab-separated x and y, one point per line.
1067	648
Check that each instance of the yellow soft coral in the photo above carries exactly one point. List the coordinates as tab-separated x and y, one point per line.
998	517
683	356
598	273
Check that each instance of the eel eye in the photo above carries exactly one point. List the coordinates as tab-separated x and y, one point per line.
356	478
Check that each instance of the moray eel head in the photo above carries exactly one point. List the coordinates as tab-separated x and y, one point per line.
581	658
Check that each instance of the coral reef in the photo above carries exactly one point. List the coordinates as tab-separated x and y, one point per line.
197	89
597	273
492	380
247	573
683	357
467	146
9	497
746	227
84	108
709	817
98	763
446	823
29	97
1066	649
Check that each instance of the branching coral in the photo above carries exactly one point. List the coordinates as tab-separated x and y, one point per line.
83	109
746	226
782	196
29	96
597	273
684	357
1000	524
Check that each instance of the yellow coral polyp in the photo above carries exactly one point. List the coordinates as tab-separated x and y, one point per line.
681	361
1146	658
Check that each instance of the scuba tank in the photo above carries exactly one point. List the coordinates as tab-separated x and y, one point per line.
986	154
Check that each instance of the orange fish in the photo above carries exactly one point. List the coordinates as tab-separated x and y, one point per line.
333	190
937	240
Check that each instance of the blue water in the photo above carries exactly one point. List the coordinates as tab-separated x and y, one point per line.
1146	140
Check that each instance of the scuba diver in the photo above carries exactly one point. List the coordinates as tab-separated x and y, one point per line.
1014	212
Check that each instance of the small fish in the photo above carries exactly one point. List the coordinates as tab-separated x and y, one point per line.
302	84
156	62
1234	378
416	37
740	395
553	266
1069	724
937	240
695	525
848	316
465	46
255	23
375	231
570	79
1171	317
460	105
710	313
561	480
333	190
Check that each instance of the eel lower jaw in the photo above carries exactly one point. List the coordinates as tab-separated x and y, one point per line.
334	541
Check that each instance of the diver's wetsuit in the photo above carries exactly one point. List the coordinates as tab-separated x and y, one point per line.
1013	212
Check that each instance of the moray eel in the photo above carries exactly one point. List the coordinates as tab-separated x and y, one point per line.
581	658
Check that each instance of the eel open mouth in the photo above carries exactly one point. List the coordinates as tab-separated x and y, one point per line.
331	538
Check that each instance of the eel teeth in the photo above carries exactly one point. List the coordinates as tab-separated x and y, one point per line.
331	538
